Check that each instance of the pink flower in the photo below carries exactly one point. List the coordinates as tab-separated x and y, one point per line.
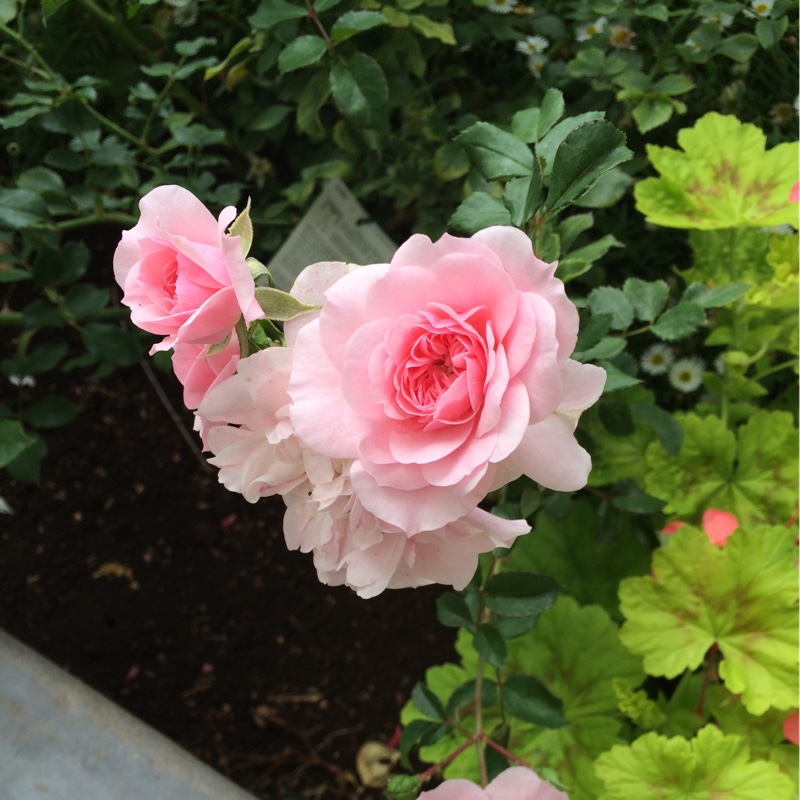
515	783
182	276
245	421
199	372
718	525
443	376
352	546
794	195
791	728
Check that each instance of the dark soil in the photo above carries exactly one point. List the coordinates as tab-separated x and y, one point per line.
131	567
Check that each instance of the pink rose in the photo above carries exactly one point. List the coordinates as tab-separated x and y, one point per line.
245	421
199	372
352	546
182	276
515	783
443	376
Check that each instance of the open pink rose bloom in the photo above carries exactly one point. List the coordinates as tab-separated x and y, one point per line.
515	783
182	276
417	388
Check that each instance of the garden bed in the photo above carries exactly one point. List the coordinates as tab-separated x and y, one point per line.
132	568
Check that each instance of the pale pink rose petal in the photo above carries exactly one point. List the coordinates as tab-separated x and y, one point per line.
794	194
521	783
456	789
199	373
719	525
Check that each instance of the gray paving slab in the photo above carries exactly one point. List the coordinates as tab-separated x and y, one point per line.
61	740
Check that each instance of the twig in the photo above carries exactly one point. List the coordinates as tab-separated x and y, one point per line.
165	401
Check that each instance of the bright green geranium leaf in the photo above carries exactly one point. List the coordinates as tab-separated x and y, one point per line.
755	478
763	733
712	766
724	178
741	597
580	669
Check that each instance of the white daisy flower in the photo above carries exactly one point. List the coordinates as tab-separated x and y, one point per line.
536	64
686	374
762	8
657	359
532	45
719	364
502	6
621	37
22	380
721	20
590	29
692	44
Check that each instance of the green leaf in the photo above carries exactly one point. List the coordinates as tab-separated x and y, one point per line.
753	475
427	702
723	178
27	466
586	153
479	211
609	189
51	412
403	787
453	611
280	306
549	144
523	196
242	226
490	645
272	12
85	299
741	597
14	439
49	7
708	767
443	31
646	297
497	154
674	84
301	52
607	300
361	92
770	31
651	113
740	47
354	22
718	296
679	322
529	700
8	10
616	378
655	11
665	426
580	669
111	344
450	162
520	594
531	124
20	208
314	96
572	550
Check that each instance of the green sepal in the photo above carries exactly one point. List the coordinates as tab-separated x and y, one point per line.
280	306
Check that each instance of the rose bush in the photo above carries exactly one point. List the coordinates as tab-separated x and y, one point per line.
443	376
515	783
182	275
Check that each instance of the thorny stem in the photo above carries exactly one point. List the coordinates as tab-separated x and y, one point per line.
503	752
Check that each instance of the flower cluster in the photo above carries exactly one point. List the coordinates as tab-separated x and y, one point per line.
402	395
